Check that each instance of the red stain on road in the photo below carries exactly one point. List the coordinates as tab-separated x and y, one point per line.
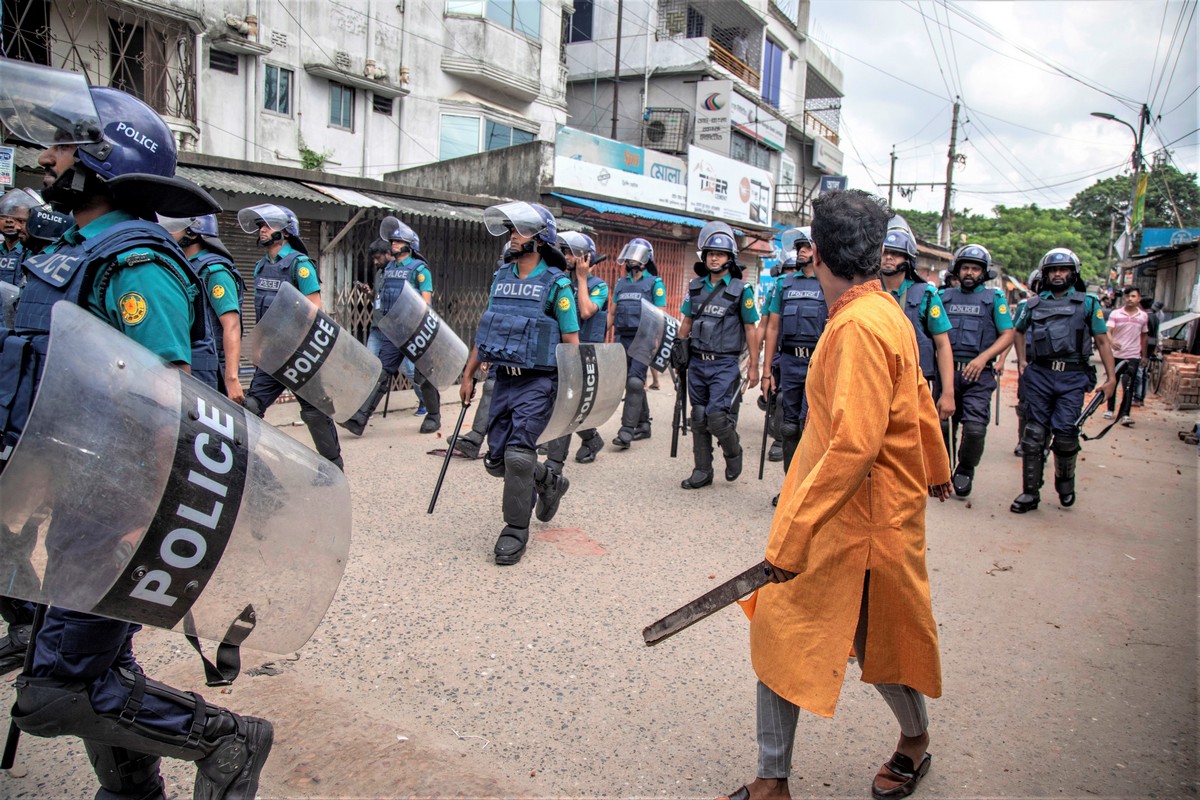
572	541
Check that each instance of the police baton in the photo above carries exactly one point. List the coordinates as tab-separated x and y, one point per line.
997	400
762	456
449	454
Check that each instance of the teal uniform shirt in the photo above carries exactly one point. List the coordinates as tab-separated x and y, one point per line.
1095	311
148	302
599	296
562	299
220	288
749	311
933	313
660	293
304	271
16	248
421	278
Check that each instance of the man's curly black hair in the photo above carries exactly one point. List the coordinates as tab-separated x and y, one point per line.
848	229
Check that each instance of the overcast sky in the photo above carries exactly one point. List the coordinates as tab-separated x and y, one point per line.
1111	45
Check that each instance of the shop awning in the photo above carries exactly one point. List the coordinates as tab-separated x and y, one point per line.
631	211
1183	319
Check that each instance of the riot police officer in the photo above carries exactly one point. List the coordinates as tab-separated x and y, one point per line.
719	320
640	282
981	331
591	303
1035	286
530	310
14	212
110	160
286	260
407	266
1055	336
920	303
223	291
797	318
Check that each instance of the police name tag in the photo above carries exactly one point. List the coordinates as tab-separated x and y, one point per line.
308	358
187	537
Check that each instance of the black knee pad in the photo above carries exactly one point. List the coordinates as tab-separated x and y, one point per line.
493	467
1034	440
789	430
1065	444
253	406
721	423
634	384
699	419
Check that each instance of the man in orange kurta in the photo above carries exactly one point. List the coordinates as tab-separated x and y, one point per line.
847	543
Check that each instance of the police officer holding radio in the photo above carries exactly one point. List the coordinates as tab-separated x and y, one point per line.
591	303
1056	334
223	291
14	212
110	160
640	282
921	304
286	261
719	320
407	266
981	332
531	310
797	318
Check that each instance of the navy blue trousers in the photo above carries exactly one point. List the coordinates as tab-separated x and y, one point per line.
712	384
1054	400
793	372
973	399
521	407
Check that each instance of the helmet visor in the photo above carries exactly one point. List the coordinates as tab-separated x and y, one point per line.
517	216
712	228
16	201
175	224
393	230
275	217
900	222
635	252
47	106
793	235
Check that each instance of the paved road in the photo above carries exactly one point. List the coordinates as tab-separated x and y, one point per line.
1069	637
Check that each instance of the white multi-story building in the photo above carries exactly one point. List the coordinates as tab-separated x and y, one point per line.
354	87
643	77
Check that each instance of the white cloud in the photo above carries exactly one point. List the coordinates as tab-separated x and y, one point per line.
1109	45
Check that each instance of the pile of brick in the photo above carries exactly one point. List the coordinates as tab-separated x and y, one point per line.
1181	381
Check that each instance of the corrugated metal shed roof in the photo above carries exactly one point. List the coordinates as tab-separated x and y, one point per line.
248	183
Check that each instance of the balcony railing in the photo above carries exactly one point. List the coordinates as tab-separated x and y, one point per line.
734	64
814	125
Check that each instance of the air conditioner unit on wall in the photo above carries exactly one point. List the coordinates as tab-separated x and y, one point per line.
666	129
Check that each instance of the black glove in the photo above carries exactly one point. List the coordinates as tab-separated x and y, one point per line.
680	354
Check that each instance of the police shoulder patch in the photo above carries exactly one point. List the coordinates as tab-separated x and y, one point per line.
935	311
420	277
133	308
749	302
304	272
564	303
218	292
1003	308
1099	314
596	292
659	292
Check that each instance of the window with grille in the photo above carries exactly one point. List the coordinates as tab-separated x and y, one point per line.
341	106
277	90
746	150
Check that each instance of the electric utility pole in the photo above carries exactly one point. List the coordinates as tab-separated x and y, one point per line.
947	210
892	177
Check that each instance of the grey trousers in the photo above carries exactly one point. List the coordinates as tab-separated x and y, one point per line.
777	717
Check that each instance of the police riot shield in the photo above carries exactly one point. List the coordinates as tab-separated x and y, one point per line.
8	304
305	350
424	338
655	335
166	504
591	382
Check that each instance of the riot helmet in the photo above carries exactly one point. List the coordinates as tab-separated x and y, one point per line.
196	230
637	254
45	225
789	264
897	222
531	221
393	230
1057	258
122	147
973	254
1035	281
899	240
717	237
279	220
792	240
579	245
15	206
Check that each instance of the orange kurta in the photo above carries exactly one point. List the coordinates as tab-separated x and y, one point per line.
854	500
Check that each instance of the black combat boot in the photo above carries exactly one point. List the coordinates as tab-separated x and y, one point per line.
1064	478
1031	481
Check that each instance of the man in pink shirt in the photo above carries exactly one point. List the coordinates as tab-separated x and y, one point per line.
1129	330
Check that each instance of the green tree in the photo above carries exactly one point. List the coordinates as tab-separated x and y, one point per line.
1168	190
1019	236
